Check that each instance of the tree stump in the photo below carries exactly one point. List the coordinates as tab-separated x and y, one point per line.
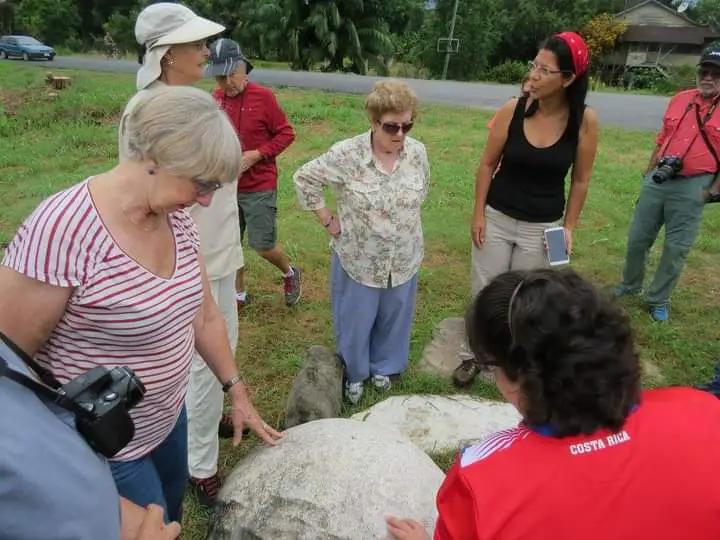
60	83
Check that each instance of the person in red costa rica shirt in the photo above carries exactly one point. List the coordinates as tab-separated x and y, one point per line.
595	456
264	133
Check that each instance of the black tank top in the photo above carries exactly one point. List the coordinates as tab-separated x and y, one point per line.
530	184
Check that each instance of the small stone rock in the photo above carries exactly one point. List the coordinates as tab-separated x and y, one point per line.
441	423
332	479
447	349
317	389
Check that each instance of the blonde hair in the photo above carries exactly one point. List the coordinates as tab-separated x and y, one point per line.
390	96
183	130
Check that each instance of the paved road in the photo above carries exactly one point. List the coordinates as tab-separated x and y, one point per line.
624	110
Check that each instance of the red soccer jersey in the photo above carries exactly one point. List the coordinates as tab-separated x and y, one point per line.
658	478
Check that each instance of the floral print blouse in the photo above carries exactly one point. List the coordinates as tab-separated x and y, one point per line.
381	239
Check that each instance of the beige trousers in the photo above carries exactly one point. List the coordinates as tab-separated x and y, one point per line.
510	244
204	400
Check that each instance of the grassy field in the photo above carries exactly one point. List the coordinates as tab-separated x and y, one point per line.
50	143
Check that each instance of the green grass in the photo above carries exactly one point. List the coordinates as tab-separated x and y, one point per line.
50	143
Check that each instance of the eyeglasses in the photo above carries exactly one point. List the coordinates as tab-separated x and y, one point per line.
205	187
544	70
705	72
391	128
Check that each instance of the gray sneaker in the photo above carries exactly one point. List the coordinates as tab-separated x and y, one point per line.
293	287
382	382
353	392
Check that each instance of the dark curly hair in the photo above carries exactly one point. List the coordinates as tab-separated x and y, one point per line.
570	347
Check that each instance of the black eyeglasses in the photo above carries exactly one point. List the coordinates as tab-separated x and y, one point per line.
205	187
706	71
392	128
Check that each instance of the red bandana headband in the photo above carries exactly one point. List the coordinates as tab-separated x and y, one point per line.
578	49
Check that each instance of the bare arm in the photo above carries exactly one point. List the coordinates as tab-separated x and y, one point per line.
29	309
582	169
139	523
492	154
131	518
312	178
488	164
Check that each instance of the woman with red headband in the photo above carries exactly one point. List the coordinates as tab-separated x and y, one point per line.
520	185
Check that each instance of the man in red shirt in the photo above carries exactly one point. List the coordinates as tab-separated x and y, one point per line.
264	133
682	169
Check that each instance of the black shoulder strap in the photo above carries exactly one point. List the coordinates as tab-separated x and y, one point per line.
703	134
56	396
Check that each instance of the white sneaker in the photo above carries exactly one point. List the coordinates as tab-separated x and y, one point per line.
353	392
382	382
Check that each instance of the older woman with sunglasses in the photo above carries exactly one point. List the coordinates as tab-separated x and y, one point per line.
172	38
380	179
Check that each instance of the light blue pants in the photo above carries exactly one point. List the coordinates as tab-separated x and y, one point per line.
372	325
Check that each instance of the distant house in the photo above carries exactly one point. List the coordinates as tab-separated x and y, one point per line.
658	35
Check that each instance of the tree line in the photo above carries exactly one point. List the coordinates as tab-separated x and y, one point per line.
496	37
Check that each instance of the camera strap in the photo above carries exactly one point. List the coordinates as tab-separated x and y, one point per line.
703	134
56	396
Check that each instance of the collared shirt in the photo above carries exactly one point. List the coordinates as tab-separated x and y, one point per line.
679	135
381	240
220	242
263	126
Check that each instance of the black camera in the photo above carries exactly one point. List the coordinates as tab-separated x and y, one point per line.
667	169
106	396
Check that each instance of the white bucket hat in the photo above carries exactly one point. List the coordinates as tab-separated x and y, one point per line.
161	25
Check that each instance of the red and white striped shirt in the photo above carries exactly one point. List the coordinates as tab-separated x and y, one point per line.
119	312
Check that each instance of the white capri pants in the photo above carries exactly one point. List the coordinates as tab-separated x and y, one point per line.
204	400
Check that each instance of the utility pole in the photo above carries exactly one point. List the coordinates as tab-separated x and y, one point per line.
450	41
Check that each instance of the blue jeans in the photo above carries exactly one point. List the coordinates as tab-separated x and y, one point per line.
160	477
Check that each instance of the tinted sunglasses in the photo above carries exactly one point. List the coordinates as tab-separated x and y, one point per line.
391	128
205	187
713	72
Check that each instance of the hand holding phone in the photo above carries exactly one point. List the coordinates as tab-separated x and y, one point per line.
556	246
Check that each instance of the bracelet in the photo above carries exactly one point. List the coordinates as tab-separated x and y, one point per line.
232	382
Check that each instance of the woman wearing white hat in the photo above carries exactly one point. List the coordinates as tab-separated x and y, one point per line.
174	53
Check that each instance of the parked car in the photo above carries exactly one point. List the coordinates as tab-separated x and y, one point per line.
25	47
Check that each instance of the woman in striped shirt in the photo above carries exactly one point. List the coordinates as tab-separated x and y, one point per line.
108	272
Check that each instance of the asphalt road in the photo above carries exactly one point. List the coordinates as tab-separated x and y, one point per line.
623	110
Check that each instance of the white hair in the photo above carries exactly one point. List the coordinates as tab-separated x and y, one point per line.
183	130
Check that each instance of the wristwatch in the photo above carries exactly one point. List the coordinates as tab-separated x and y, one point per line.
232	382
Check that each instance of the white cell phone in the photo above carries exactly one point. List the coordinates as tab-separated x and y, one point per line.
556	245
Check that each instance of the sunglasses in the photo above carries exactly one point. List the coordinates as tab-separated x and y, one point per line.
704	72
205	187
391	128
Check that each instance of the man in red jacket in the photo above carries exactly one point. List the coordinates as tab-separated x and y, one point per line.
264	133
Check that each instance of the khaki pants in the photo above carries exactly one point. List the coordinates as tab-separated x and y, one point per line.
510	244
204	400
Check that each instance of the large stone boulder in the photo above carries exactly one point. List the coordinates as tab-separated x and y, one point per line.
332	479
441	423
